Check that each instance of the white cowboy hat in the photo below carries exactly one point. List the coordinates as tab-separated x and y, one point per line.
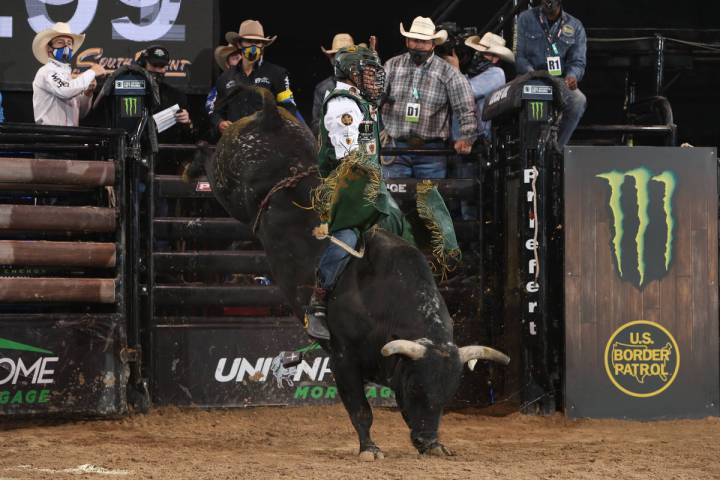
60	29
341	40
492	44
423	28
222	53
251	30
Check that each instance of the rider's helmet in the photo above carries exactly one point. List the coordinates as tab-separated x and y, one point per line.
361	66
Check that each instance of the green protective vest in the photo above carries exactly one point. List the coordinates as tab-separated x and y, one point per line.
350	207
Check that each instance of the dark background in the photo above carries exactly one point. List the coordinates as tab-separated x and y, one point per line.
302	27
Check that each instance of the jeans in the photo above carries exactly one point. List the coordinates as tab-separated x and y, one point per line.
575	103
334	260
417	166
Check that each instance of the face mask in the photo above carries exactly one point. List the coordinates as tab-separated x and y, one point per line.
482	65
251	53
159	77
418	56
63	55
549	6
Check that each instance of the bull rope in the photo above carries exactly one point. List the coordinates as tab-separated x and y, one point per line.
288	182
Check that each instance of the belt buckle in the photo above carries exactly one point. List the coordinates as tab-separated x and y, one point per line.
415	142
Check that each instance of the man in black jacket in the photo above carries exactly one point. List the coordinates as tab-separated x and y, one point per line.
252	70
155	60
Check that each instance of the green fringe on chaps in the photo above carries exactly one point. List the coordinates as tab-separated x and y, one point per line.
354	195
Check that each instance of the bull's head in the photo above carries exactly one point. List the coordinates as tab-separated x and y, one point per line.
470	354
425	377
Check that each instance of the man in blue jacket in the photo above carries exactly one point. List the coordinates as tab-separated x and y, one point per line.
548	38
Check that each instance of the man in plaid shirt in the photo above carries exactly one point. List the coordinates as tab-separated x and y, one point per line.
423	90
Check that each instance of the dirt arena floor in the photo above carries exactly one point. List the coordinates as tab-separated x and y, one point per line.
319	443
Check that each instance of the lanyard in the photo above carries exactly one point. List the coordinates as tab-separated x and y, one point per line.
418	81
546	28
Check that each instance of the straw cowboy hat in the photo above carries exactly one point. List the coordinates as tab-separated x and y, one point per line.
222	53
492	44
341	40
250	30
42	39
423	28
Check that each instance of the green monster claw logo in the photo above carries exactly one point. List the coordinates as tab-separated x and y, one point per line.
648	212
131	106
537	110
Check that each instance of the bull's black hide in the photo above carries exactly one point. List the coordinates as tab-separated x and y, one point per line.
388	322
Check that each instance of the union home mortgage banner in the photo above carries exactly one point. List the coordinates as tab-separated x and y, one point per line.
52	364
641	282
240	365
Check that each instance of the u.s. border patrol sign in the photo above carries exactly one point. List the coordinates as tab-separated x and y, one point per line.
641	282
642	359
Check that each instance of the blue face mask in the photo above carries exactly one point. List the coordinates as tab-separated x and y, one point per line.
63	55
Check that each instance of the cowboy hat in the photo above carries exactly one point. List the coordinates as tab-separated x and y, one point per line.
250	30
42	39
492	44
423	28
339	41
222	53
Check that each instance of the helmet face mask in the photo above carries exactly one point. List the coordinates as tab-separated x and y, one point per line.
362	67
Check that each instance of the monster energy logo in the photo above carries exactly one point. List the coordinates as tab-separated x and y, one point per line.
644	261
537	110
131	108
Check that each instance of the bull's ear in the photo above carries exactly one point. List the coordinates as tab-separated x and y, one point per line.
472	353
410	349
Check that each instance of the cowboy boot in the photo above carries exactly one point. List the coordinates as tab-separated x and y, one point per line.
316	315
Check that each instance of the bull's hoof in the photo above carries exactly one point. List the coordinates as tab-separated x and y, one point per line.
438	450
371	454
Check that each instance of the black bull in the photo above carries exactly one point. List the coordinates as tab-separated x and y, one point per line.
388	322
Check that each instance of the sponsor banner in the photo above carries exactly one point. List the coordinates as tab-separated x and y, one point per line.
642	359
115	33
641	282
62	366
241	365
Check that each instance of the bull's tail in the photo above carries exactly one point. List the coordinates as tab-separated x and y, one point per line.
269	116
196	168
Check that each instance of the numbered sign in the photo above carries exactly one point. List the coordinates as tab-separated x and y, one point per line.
412	112
554	66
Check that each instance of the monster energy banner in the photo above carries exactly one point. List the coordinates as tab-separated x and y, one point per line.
62	366
538	110
131	107
241	365
641	282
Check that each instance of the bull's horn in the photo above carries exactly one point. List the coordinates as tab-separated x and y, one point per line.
408	348
472	353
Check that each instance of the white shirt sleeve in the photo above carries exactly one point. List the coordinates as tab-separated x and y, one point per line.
61	86
342	121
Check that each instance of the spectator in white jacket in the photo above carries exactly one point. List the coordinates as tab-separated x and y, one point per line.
58	98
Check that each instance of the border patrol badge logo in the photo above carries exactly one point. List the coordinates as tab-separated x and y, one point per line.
642	359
